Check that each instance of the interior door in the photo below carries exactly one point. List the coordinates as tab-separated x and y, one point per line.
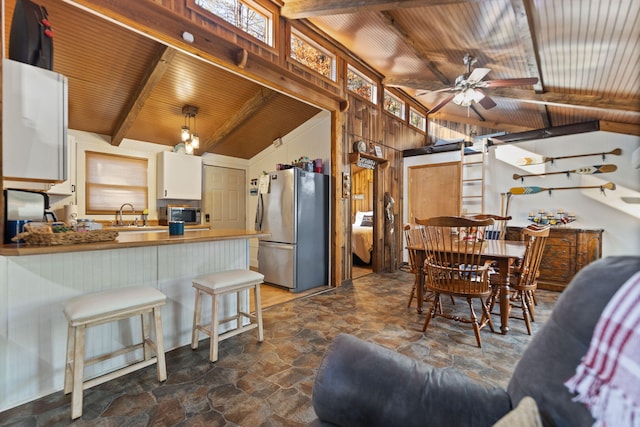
434	190
224	198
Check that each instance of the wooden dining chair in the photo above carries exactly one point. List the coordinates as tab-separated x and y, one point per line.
454	266
413	239
498	230
523	277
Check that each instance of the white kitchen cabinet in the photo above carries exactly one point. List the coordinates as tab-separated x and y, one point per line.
34	125
68	186
179	176
64	188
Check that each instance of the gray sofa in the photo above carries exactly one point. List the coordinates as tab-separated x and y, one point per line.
363	384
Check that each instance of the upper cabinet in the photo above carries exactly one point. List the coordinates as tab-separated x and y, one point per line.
34	125
179	176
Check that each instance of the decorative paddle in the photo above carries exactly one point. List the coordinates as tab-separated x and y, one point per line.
586	170
533	161
534	190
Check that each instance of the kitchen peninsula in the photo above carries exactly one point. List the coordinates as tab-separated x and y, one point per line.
36	280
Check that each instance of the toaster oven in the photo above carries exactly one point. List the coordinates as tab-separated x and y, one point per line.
189	214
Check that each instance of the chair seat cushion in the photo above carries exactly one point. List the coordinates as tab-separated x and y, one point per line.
228	279
96	304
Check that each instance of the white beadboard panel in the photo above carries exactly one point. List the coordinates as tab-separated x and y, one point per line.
178	265
33	289
38	286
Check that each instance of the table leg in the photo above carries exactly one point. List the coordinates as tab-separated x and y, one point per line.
505	294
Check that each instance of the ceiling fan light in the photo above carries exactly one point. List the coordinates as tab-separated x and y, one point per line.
458	99
477	95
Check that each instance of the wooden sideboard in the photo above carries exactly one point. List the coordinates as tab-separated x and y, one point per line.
567	251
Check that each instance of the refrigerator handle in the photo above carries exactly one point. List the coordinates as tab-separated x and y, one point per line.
259	213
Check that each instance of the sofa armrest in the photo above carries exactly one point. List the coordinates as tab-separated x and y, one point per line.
363	384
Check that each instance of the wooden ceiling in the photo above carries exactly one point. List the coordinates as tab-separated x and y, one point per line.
585	53
125	85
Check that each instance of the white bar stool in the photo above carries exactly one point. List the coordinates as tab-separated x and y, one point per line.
217	285
96	308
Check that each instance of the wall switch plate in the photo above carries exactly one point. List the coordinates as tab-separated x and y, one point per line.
346	185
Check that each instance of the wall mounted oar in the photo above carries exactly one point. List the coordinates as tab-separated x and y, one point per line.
534	190
536	161
586	170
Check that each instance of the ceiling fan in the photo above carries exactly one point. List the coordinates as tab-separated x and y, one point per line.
468	87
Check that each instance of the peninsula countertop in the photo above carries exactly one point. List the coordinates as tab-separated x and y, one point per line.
132	240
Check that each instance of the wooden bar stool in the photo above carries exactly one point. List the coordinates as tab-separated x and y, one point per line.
217	285
97	308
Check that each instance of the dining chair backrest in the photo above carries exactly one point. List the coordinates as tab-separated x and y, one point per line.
498	230
527	272
413	239
453	249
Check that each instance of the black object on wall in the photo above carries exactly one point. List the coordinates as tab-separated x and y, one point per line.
31	36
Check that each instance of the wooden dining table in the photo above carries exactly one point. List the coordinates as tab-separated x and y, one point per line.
503	252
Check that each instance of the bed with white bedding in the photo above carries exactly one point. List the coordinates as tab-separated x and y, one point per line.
362	236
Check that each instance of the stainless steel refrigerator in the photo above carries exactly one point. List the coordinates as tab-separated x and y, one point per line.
294	209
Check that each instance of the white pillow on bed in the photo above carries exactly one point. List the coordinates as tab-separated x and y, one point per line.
360	215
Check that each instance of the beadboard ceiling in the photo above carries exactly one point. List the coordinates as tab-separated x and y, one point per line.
585	54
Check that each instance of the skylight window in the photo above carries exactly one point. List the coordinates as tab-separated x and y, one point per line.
417	120
245	15
312	55
393	104
362	85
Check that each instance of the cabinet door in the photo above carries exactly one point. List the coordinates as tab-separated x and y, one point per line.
179	176
34	123
67	187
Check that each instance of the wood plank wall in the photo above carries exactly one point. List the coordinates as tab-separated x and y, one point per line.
367	121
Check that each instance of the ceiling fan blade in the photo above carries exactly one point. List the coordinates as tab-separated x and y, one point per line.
510	82
486	102
427	92
477	74
441	104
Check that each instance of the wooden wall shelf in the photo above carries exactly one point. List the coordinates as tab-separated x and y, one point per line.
355	158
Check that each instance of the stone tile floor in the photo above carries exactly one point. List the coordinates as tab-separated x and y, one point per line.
270	384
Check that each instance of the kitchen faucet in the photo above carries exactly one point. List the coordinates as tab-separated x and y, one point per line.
121	207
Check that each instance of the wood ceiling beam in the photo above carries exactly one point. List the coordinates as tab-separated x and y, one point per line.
421	54
525	95
248	109
298	9
507	127
617	127
526	31
154	73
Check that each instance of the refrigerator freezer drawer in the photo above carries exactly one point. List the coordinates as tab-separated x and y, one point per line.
277	262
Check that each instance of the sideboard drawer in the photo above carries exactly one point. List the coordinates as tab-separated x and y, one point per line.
567	251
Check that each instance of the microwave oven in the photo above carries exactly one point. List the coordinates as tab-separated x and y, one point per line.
189	214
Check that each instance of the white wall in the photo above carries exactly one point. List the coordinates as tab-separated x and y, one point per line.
620	221
312	139
101	143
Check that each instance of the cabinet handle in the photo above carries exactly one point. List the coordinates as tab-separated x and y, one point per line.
165	193
73	188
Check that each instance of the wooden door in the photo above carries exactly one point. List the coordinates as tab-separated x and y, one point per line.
434	190
224	198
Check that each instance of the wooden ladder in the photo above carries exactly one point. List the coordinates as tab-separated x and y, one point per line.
472	179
